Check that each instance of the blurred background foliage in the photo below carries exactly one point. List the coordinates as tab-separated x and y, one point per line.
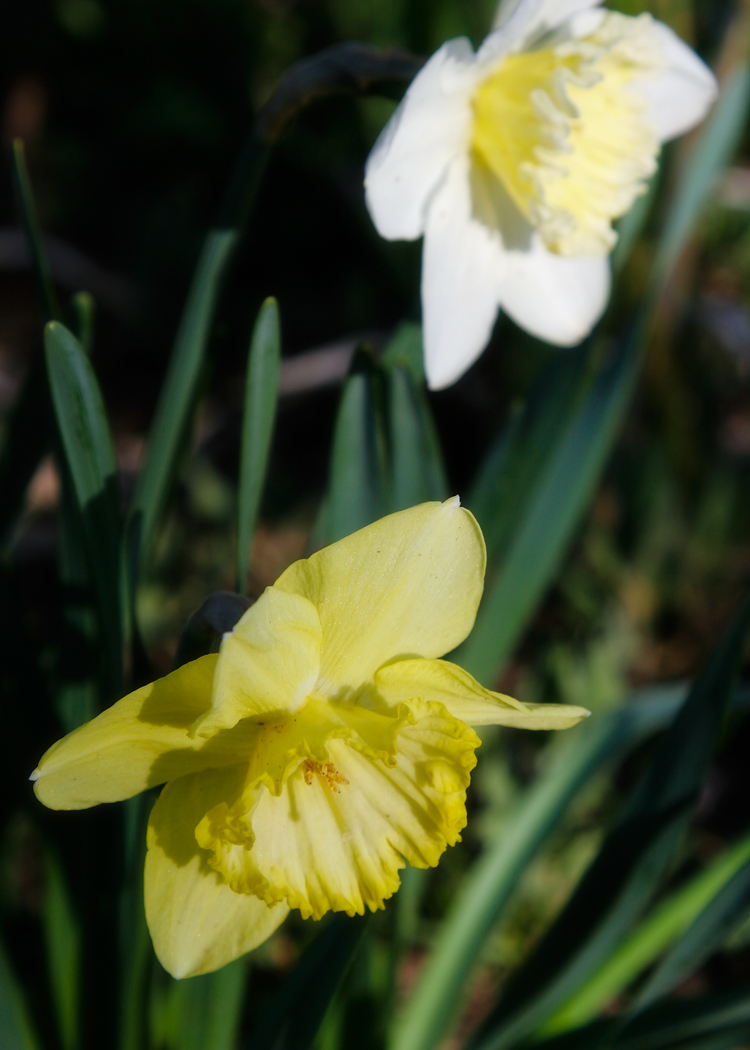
133	114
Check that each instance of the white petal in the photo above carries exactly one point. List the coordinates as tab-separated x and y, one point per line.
681	96
431	126
555	298
512	31
541	16
462	267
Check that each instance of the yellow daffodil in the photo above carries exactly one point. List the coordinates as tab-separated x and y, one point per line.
323	747
514	161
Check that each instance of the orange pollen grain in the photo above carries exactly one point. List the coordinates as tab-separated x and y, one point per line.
326	770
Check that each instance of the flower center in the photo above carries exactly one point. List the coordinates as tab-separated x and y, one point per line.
567	135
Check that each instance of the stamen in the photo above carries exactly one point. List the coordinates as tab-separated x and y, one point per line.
326	770
566	134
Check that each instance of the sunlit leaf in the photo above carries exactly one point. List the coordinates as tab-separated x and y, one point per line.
547	521
632	863
657	931
490	882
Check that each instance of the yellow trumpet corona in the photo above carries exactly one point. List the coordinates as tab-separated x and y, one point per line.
323	747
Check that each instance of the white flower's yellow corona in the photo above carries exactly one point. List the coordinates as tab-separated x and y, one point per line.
515	162
324	747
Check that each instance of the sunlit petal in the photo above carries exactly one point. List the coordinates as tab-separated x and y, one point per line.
269	663
466	699
429	128
556	298
539	16
141	741
462	269
197	922
681	95
409	584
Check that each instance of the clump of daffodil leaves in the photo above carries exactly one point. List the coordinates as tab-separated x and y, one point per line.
323	747
514	161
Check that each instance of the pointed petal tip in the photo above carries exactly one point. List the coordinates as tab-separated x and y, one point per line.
454	501
35	775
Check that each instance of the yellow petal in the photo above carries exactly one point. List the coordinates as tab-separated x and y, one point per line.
197	922
338	834
268	663
545	716
141	741
466	699
408	585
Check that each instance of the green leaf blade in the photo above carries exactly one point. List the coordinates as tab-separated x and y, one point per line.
492	879
709	155
627	872
16	1029
62	936
90	457
261	399
294	1017
418	474
654	935
177	399
563	490
358	484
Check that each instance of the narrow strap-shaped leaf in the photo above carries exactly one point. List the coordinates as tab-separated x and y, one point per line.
541	537
508	477
357	487
83	309
417	470
344	68
90	456
208	1009
693	1024
136	953
62	936
261	400
551	516
405	349
492	879
706	935
294	1017
16	1029
178	392
632	862
29	428
708	1022
661	928
27	207
709	155
631	225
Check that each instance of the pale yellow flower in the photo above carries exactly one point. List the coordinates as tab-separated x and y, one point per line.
323	748
513	163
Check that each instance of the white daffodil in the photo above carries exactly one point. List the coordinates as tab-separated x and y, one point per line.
514	161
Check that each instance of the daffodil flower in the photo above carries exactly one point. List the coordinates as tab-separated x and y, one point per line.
323	747
514	161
